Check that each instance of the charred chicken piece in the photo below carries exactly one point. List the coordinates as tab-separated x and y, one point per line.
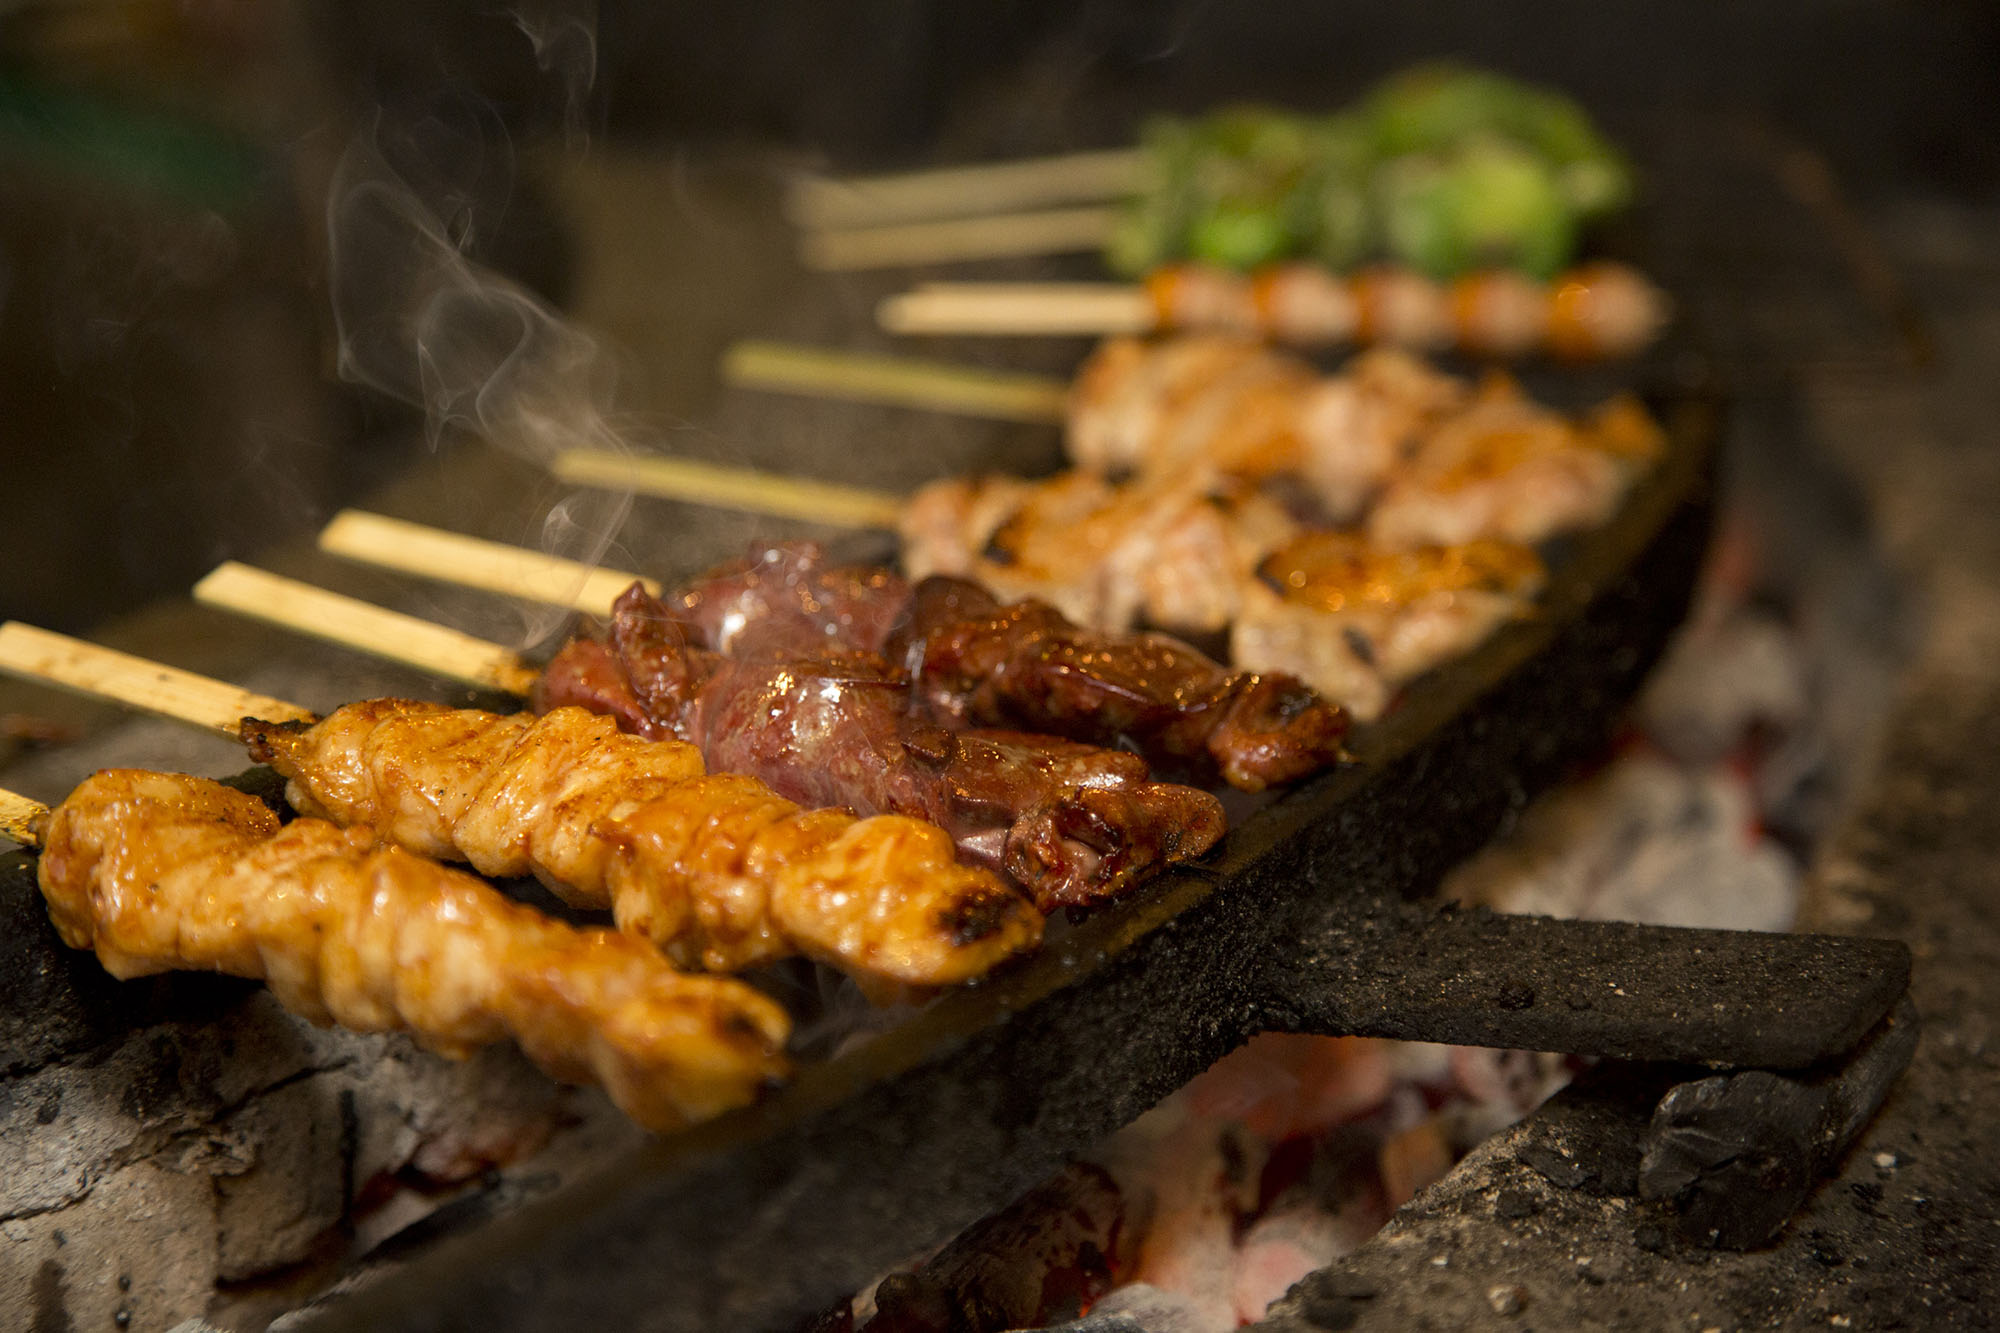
720	871
1073	823
979	662
158	871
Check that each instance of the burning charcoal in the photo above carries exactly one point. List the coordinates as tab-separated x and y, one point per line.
1644	841
1281	1084
1413	1159
1737	1154
1293	1239
1042	1258
1139	1308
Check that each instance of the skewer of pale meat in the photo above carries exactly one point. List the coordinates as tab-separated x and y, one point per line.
1196	457
715	868
785	604
1203	460
821	723
161	871
1599	311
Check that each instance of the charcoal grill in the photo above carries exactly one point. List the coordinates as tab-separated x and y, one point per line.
898	1144
1303	922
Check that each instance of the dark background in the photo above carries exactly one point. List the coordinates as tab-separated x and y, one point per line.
166	389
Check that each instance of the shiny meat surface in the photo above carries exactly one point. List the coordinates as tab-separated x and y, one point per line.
160	871
1355	621
1073	823
723	873
980	662
785	599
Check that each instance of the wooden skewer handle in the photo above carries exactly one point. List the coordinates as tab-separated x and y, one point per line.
1019	309
164	691
1052	231
820	203
448	557
900	381
332	618
732	488
21	819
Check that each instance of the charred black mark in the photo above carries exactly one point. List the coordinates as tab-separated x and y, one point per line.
51	1316
1359	644
977	916
257	734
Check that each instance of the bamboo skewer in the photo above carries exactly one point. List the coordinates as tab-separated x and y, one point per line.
898	381
366	628
731	488
1020	308
448	557
351	623
488	566
1052	231
21	819
822	203
163	691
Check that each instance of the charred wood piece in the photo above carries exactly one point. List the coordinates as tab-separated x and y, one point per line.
1039	1259
1737	1154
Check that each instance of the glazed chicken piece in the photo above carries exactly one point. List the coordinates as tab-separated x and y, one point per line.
980	662
718	870
1356	622
1172	554
159	871
829	724
1510	469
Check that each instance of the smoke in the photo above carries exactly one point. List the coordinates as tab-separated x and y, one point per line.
421	322
564	35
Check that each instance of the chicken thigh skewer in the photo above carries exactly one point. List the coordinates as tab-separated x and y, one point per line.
158	871
717	869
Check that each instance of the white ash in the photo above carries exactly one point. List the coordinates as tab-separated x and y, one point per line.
135	1177
1646	840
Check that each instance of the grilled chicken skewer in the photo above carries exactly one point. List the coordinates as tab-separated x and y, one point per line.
1189	410
717	869
158	871
1595	312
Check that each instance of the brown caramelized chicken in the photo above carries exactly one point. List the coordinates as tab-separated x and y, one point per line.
1355	621
719	870
1206	462
160	871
